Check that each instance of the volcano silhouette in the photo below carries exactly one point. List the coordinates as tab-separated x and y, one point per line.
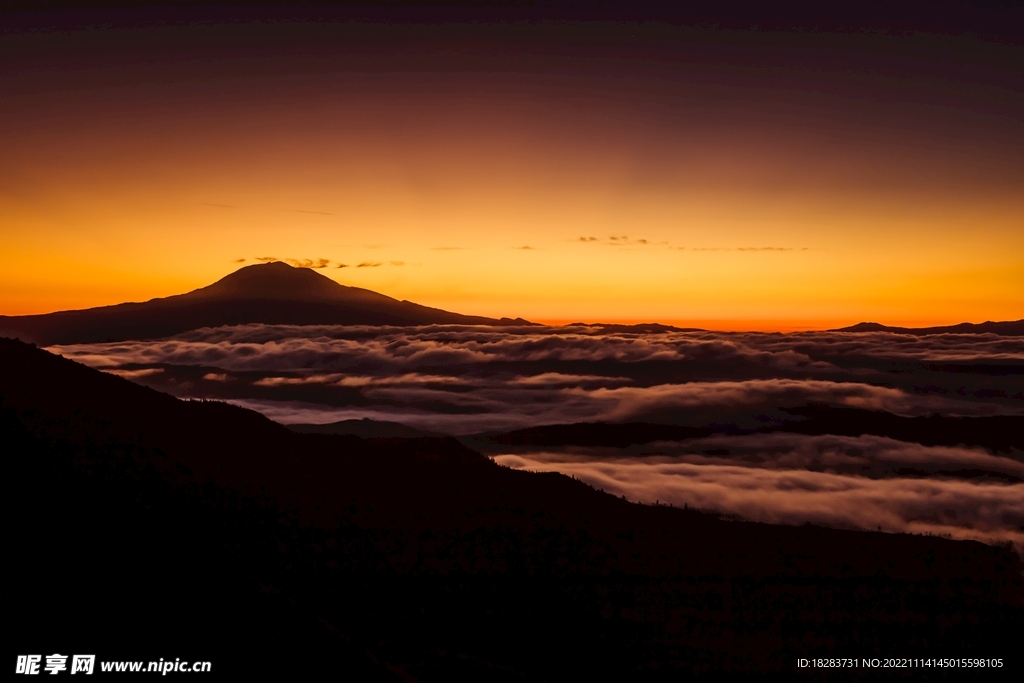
270	293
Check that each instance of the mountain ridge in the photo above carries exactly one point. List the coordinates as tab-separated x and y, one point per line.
270	293
1008	328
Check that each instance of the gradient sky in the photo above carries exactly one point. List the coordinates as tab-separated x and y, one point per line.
553	169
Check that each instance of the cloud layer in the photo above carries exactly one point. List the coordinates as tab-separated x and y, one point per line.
778	490
465	380
450	376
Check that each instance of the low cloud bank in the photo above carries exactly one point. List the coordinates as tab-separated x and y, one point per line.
284	346
864	456
456	404
984	511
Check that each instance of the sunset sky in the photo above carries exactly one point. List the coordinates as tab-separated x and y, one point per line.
553	169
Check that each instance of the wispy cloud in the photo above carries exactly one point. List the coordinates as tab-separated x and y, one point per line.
771	249
627	241
743	248
135	374
620	241
297	262
309	263
378	264
316	213
216	377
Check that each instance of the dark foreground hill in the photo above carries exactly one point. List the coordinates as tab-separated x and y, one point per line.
270	293
140	526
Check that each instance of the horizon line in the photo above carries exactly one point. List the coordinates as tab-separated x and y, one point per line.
783	325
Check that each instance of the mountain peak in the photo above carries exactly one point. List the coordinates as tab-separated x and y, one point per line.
280	281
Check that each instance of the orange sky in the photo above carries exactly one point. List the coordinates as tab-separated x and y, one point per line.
558	172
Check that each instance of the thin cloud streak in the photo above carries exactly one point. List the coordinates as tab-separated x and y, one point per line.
626	241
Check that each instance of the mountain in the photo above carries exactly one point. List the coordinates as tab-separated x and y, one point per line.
299	555
1010	328
270	293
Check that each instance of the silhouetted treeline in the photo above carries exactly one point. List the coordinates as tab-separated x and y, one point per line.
141	525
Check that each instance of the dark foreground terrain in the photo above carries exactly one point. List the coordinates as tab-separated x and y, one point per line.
141	526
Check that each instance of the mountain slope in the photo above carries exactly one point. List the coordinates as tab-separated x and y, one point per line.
271	293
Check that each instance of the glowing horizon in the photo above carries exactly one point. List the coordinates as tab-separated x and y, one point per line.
560	172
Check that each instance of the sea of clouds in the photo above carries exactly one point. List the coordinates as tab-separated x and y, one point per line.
462	380
466	380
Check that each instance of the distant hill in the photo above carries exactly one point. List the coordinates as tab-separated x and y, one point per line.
270	293
1010	328
364	429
